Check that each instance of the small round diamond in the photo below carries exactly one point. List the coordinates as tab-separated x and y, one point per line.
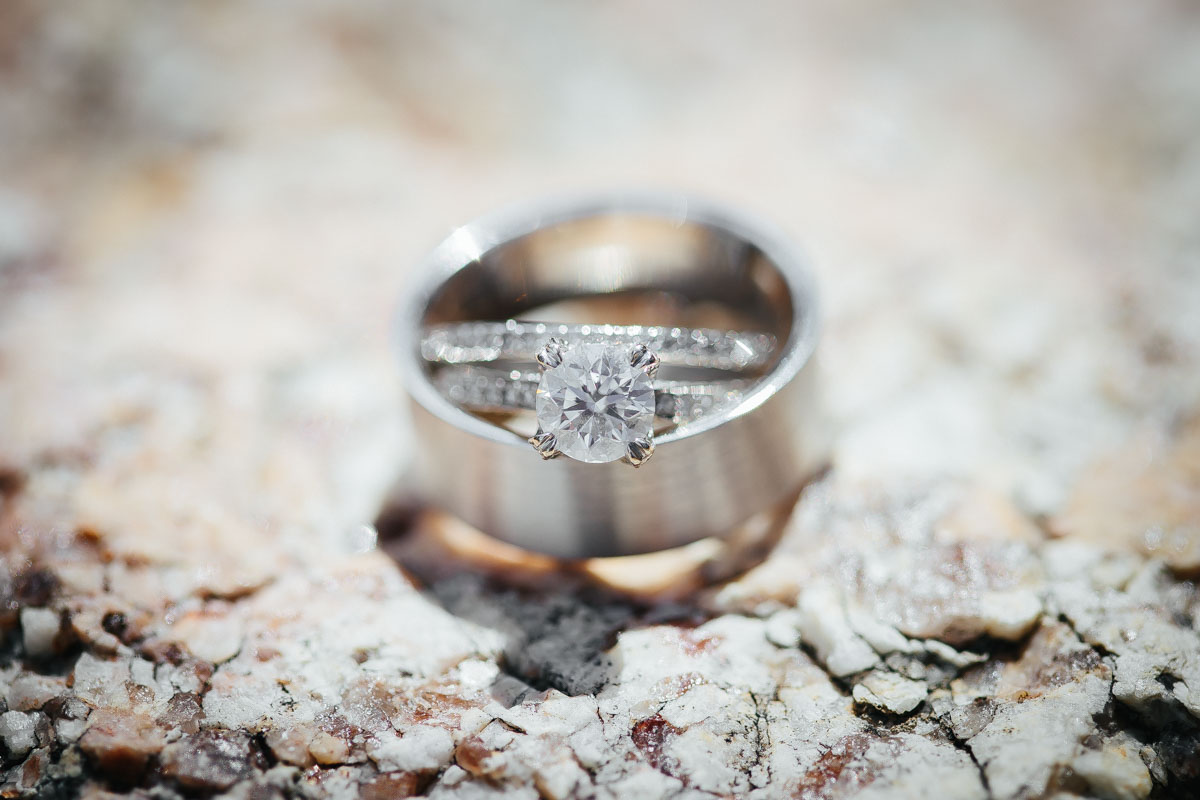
595	403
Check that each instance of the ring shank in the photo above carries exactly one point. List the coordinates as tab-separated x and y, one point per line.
706	478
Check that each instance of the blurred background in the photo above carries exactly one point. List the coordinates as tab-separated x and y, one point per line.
207	211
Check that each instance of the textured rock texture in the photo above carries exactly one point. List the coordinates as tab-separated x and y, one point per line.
209	587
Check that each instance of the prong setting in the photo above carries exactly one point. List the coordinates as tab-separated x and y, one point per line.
551	354
545	443
640	357
638	451
594	403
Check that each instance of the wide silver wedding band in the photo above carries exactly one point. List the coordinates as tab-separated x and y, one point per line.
709	475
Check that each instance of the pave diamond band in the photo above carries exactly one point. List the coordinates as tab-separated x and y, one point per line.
489	390
515	340
722	425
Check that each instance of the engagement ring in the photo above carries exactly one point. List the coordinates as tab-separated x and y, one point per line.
510	363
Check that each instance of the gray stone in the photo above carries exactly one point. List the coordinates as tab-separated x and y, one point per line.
39	627
991	592
890	692
210	760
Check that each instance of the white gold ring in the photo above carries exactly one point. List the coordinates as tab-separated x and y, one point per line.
496	359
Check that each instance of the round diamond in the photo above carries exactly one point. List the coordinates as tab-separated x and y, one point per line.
595	403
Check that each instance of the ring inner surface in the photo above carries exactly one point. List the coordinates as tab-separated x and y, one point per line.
620	269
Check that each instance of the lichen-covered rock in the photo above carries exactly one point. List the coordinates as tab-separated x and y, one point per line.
1145	497
17	731
990	594
1116	770
211	760
890	692
1045	709
941	561
39	628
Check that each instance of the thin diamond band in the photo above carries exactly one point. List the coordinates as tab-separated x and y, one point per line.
515	340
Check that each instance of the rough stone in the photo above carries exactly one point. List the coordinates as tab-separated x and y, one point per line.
213	634
209	760
208	583
1145	496
1047	701
39	628
890	692
30	691
18	733
1116	770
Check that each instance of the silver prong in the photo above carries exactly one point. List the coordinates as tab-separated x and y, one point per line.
550	356
545	444
638	451
641	357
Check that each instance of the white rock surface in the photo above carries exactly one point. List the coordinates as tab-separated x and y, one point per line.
208	211
890	692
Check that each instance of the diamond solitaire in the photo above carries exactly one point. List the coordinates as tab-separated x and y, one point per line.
595	402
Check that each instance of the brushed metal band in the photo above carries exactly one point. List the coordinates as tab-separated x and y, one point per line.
708	476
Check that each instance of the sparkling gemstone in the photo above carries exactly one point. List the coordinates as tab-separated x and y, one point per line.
595	403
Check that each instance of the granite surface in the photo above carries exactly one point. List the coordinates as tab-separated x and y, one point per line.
212	585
